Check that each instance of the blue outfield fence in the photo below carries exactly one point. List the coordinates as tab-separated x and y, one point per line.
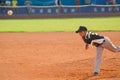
55	10
63	2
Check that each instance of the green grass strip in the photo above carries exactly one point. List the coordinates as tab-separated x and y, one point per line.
58	25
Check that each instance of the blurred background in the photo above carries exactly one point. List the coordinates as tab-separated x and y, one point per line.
54	2
58	8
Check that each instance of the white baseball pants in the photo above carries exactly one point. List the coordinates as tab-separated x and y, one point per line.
107	45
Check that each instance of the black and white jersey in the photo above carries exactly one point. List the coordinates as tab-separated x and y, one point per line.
91	37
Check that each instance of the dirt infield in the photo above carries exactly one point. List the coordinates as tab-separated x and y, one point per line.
54	56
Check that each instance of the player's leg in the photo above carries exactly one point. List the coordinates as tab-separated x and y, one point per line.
110	46
98	59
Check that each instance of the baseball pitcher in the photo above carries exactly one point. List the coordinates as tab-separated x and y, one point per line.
100	42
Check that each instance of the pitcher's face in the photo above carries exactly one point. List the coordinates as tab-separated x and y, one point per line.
82	33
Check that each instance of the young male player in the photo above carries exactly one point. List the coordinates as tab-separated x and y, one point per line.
100	42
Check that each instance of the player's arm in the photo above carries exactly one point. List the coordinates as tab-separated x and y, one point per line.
86	46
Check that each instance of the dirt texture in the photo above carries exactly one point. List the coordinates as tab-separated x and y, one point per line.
54	56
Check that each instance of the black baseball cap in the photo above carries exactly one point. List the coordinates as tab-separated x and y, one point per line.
81	28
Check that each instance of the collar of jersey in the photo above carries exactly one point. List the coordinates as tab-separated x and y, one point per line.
86	34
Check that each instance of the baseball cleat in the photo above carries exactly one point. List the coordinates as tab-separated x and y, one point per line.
95	73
